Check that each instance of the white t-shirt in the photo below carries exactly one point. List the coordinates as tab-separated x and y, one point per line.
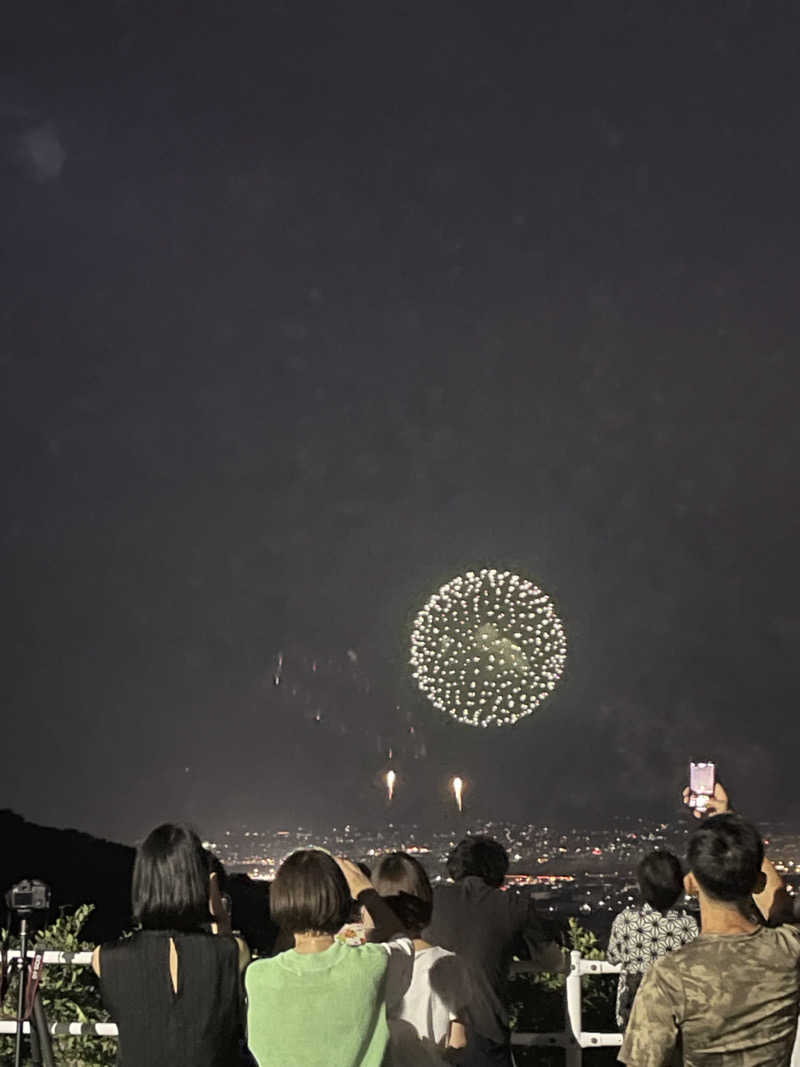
438	992
399	973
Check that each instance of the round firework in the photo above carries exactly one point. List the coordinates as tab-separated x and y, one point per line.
488	648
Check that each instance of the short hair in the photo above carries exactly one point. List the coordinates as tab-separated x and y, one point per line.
725	856
170	880
660	877
402	880
480	856
310	893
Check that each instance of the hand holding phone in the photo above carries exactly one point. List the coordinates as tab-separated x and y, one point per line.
704	794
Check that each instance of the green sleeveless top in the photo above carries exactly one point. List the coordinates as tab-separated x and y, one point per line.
323	1009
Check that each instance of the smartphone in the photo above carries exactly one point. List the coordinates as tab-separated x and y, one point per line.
702	778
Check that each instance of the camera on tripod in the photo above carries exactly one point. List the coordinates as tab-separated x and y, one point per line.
28	897
29	903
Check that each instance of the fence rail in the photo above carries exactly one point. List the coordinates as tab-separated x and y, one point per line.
573	1039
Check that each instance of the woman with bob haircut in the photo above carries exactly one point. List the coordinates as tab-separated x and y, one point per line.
641	935
324	1003
439	992
174	987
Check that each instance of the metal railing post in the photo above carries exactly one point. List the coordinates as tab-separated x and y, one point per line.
573	1054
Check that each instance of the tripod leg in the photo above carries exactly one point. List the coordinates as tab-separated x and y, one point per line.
40	1034
36	1051
23	974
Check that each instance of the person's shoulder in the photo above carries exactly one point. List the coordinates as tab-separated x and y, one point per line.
447	889
428	957
264	972
123	946
220	944
786	937
437	952
677	963
679	917
379	954
398	946
627	915
263	964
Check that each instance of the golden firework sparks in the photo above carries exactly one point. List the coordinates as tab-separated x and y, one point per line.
390	779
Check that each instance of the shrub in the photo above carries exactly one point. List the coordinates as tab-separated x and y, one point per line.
537	1004
68	994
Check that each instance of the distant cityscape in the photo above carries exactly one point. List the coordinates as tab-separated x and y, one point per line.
586	873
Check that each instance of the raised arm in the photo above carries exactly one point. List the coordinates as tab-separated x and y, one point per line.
541	940
386	923
774	901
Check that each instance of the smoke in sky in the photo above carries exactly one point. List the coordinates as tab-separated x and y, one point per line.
40	152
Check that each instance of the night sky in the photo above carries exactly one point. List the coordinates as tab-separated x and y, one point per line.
309	307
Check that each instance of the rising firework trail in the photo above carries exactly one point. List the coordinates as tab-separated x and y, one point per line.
457	786
390	779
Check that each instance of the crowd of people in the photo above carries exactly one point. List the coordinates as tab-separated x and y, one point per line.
380	968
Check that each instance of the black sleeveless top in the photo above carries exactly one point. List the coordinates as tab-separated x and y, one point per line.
200	1025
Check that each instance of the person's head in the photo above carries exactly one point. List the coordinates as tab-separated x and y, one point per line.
310	894
660	879
482	857
403	881
170	880
725	856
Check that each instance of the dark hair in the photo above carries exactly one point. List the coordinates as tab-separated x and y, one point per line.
403	882
725	856
660	878
170	880
482	857
310	893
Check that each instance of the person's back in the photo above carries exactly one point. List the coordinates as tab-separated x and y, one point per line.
324	1003
431	1014
481	925
173	989
438	994
733	997
486	927
641	935
199	1024
343	987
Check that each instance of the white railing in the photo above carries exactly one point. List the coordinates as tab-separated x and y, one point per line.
573	1039
72	1029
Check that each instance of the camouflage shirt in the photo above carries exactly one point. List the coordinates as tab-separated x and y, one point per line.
724	999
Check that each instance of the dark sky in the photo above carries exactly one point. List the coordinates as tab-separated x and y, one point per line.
308	307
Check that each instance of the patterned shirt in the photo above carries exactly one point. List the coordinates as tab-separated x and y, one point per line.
723	999
640	936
